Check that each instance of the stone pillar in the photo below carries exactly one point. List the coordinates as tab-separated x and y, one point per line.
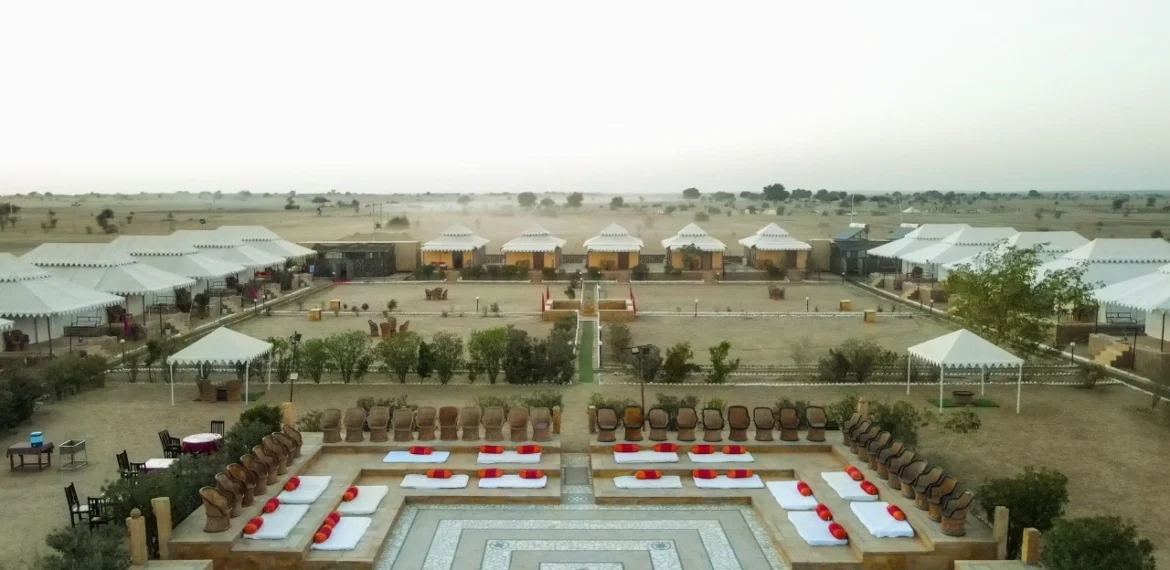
556	419
592	419
999	530
288	414
863	408
137	527
162	517
1030	548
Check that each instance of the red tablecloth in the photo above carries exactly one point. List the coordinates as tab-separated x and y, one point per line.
202	443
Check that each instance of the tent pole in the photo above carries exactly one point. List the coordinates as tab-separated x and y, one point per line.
172	384
940	388
36	331
1019	386
983	381
1162	343
247	381
49	332
909	365
268	374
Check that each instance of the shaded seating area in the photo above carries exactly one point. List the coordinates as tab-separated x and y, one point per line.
716	428
222	347
967	350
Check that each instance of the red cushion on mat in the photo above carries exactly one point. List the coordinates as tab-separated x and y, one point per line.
531	473
704	473
439	474
491	449
626	448
490	473
734	449
651	474
739	474
421	450
666	447
528	449
702	449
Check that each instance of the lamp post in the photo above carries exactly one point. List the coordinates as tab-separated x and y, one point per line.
292	377
806	304
477	305
638	352
122	342
1071	357
696	307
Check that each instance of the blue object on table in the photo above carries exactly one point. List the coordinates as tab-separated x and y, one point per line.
36	439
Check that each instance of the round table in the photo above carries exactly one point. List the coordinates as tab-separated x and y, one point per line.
202	443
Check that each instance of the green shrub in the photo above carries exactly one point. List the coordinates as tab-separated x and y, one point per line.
672	404
677	365
548	274
18	398
446	354
594	273
901	419
647	363
600	401
268	415
854	361
716	403
640	272
1035	499
800	405
485	402
66	375
542	399
486	351
721	367
310	421
1096	543
313	359
617	343
78	548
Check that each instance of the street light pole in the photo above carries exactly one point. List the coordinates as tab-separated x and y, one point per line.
1071	357
292	377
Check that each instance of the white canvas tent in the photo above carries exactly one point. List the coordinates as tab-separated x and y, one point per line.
922	236
964	349
692	234
456	238
5	325
1112	260
1149	293
266	240
534	239
229	249
169	254
775	238
613	238
222	346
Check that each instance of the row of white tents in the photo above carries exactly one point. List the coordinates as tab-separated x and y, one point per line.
56	284
1129	273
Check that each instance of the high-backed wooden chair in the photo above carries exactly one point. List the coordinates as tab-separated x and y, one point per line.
541	424
518	424
632	421
712	424
738	422
469	418
331	425
789	424
659	420
939	494
493	424
607	424
379	422
909	475
765	420
817	421
954	514
885	455
686	420
355	423
875	446
402	422
448	423
923	484
424	420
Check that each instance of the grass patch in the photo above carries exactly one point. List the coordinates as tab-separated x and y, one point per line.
976	403
585	354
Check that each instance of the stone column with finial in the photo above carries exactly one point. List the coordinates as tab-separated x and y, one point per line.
137	527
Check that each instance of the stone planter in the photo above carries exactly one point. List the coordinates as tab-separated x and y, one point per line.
963	398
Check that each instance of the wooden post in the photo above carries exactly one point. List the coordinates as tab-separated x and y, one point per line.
999	530
288	414
863	408
137	527
1030	549
162	517
556	419
592	419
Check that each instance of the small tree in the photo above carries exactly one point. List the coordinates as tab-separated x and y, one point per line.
520	361
677	365
313	359
547	202
1035	499
854	360
616	202
574	200
424	367
691	193
446	351
617	343
348	352
399	353
486	351
556	359
526	199
721	367
1096	543
647	363
901	419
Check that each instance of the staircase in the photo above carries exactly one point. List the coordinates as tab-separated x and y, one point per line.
1117	355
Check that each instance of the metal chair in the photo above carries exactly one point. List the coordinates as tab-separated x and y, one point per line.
171	446
217	427
77	511
129	469
96	516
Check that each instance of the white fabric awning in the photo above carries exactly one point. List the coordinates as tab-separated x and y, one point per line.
173	256
456	238
921	237
266	240
229	249
961	244
5	325
534	239
964	349
1150	292
29	291
1110	261
613	239
774	238
222	346
692	234
103	267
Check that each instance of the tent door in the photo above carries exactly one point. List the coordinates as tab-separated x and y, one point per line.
624	260
537	260
457	260
791	259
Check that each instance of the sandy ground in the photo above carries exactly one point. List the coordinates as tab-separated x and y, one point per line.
461	297
1110	473
823	297
425	326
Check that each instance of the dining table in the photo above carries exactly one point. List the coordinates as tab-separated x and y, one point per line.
201	443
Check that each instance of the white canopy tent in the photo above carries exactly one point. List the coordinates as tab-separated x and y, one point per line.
1108	261
5	325
1052	246
171	255
613	239
534	239
266	240
921	237
692	234
964	349
28	293
1149	293
456	238
775	238
229	249
222	347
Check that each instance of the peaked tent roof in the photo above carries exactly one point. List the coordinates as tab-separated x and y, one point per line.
229	249
456	238
916	239
6	324
266	240
1052	242
963	243
774	238
964	349
1109	261
167	254
29	291
103	267
534	239
613	238
221	346
850	233
1150	292
692	234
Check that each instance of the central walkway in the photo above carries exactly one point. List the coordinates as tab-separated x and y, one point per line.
578	535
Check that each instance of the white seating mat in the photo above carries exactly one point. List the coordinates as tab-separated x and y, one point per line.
632	482
346	534
846	487
813	530
309	490
725	482
366	502
416	481
279	523
408	457
720	457
879	521
512	481
509	456
789	497
646	457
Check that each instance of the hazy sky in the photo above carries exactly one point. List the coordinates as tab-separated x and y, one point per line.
583	96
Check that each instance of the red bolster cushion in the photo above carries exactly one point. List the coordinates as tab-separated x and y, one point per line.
531	473
292	484
824	513
702	449
734	449
651	474
704	473
439	474
626	448
271	505
490	473
491	449
803	489
333	517
854	473
528	449
253	525
421	450
869	488
739	473
666	447
896	512
323	534
838	531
